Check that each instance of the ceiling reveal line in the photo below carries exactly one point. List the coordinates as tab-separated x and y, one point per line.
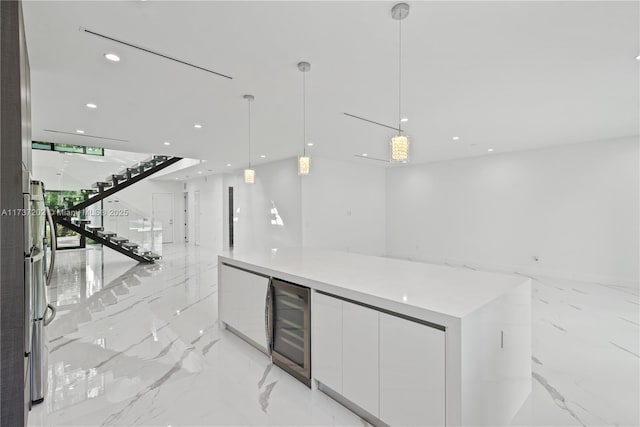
371	121
371	158
93	33
85	135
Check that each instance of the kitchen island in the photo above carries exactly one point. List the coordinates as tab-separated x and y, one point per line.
398	342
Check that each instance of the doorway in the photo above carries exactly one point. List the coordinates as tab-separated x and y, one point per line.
163	213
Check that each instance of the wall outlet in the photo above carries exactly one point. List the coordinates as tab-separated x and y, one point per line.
535	258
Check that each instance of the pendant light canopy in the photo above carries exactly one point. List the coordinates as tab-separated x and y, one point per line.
400	142
249	173
304	161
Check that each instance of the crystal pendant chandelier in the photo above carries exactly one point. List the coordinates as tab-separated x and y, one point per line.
400	143
304	161
249	173
249	176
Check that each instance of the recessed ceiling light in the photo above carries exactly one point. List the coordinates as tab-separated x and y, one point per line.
638	57
200	172
262	156
310	144
112	57
404	119
228	164
490	150
364	154
455	138
197	126
91	105
79	131
177	178
167	143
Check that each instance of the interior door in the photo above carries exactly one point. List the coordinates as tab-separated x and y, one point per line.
163	212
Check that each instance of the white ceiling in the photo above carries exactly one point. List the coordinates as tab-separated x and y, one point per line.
502	75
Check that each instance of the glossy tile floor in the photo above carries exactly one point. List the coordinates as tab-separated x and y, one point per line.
139	345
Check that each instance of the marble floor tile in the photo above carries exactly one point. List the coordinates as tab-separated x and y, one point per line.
140	345
586	363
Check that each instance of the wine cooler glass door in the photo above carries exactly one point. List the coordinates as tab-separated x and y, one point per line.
291	329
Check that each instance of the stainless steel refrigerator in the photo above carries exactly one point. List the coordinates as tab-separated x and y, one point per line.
39	262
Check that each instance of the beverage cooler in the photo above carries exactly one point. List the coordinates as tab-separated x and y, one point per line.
39	262
289	321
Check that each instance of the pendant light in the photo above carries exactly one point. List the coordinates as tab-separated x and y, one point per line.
249	173
304	161
400	142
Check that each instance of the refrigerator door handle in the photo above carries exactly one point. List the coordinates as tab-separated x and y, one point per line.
268	317
52	240
26	204
53	310
28	305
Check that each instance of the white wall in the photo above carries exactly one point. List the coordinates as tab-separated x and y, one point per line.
277	186
340	205
138	198
343	206
210	213
576	207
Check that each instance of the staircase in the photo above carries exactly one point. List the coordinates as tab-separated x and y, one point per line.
103	189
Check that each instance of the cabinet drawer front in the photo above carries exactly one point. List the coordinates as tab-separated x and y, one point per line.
326	340
360	356
412	373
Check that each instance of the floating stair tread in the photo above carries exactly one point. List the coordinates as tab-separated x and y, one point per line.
130	245
94	227
118	240
103	233
100	184
117	177
153	256
133	171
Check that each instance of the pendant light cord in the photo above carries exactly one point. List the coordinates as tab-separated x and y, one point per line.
249	104
304	113
400	77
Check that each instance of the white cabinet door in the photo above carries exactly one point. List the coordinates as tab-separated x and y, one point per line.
242	297
360	356
326	342
412	373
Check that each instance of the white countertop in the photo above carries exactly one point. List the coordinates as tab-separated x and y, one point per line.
449	291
